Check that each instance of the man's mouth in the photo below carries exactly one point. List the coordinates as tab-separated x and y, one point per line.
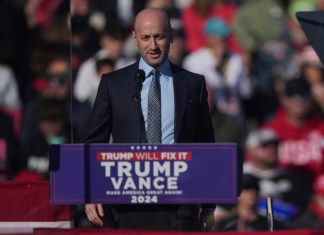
154	55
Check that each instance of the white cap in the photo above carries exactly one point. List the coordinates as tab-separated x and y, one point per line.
257	137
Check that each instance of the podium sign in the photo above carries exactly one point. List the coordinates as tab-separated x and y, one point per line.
143	174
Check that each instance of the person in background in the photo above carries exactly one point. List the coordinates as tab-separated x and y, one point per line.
225	72
245	216
299	129
289	191
103	66
258	22
313	71
194	18
261	28
313	216
57	85
111	42
168	6
122	12
10	101
51	119
177	50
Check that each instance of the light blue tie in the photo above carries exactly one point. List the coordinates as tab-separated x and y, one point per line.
154	110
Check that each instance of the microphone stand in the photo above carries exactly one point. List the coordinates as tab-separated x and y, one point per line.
140	77
270	214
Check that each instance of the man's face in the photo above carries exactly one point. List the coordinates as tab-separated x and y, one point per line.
248	198
113	46
51	128
297	106
217	45
59	80
265	154
313	74
153	37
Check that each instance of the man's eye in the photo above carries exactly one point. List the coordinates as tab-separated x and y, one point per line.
160	37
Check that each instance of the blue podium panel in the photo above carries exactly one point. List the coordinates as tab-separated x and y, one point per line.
143	174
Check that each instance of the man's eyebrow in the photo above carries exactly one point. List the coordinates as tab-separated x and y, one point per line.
154	35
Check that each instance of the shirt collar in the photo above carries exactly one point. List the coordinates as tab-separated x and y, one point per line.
164	69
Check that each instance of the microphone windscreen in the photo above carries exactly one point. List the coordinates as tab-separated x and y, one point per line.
140	75
139	79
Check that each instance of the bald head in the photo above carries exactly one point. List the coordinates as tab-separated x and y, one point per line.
152	35
150	14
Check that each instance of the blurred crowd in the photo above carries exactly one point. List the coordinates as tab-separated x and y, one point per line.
265	84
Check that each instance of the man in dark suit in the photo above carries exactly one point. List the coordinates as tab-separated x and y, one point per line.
125	109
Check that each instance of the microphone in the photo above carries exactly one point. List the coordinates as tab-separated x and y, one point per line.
139	79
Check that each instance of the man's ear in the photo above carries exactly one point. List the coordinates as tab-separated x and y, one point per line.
134	38
171	36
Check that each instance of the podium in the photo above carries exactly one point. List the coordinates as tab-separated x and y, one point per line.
143	174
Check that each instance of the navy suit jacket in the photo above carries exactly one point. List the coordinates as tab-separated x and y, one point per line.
116	111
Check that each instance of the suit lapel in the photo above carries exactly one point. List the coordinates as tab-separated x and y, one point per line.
130	82
180	85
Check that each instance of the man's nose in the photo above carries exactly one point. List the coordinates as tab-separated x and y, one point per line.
153	44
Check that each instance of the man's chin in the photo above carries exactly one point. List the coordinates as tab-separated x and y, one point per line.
155	62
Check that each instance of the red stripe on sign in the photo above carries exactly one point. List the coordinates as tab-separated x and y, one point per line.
144	156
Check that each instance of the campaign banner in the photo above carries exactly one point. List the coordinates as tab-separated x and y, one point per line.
143	173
